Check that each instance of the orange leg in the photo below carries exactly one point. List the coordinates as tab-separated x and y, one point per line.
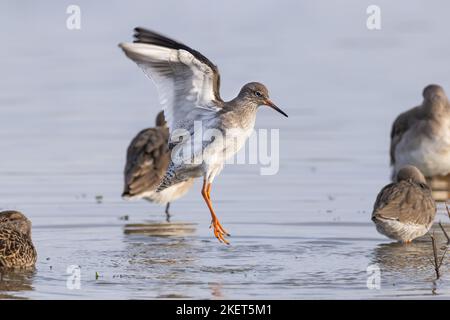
208	190
219	231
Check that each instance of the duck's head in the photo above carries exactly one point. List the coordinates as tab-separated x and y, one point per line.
15	220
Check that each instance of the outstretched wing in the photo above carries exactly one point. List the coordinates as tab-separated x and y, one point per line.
402	201
187	82
147	161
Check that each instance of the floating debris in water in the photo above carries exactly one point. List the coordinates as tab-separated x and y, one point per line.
125	217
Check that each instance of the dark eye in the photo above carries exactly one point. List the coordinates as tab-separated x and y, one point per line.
258	94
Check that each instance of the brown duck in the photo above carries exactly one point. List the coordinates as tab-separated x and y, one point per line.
16	247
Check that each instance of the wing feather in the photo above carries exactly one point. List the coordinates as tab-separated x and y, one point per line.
401	124
187	81
147	161
406	202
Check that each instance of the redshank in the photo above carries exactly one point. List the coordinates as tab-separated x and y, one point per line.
188	86
148	157
16	247
421	135
405	209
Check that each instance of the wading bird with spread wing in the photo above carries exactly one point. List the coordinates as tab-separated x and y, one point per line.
188	87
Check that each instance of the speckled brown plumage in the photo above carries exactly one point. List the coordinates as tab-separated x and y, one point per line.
16	247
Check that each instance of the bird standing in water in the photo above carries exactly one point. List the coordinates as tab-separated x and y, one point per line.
405	209
16	247
421	135
188	86
148	157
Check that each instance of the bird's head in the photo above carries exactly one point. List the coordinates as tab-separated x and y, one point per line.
434	92
16	221
410	173
160	119
258	94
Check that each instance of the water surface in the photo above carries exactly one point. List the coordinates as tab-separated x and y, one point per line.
71	102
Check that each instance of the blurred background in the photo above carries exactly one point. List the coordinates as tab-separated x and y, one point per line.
70	103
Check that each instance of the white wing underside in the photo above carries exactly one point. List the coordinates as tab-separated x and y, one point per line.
185	84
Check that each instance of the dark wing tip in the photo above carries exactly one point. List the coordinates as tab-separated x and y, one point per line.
142	35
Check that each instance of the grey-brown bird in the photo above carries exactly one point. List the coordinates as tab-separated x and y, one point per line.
188	86
148	157
421	135
16	248
405	209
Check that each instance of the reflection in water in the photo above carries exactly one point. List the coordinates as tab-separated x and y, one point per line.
161	229
402	263
165	260
398	257
15	281
414	257
157	253
216	290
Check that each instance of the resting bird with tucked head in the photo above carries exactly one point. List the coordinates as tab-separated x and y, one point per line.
148	157
16	247
188	86
421	135
405	210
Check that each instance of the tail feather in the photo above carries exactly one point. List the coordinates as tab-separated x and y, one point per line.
170	178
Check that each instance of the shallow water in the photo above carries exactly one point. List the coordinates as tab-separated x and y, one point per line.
71	102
